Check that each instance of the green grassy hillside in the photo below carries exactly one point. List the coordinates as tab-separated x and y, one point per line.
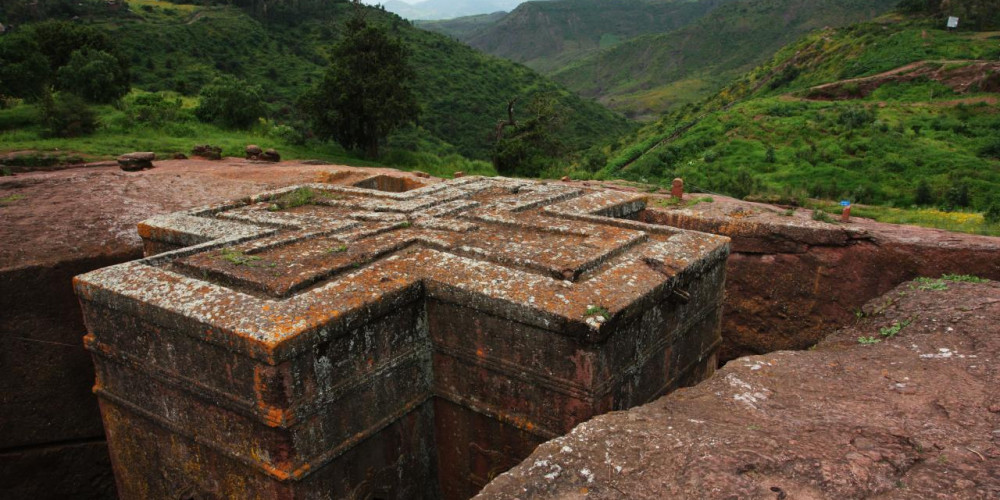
461	27
914	120
547	36
462	92
650	74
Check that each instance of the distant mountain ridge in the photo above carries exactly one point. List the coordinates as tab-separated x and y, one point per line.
642	57
546	36
650	74
448	9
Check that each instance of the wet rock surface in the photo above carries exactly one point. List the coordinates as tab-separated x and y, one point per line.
914	415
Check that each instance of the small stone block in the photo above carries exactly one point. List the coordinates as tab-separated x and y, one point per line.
207	152
270	156
677	189
134	162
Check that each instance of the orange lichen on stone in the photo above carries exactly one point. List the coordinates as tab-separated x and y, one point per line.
287	336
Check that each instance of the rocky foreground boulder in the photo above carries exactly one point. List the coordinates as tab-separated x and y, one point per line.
134	162
903	404
207	151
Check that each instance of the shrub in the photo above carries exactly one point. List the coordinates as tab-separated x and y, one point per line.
67	115
152	109
230	102
94	75
821	216
854	117
594	160
992	214
923	196
769	156
991	150
956	197
791	72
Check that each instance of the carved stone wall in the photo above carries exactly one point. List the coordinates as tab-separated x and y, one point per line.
388	340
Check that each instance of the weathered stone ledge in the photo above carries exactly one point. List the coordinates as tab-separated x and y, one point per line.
915	415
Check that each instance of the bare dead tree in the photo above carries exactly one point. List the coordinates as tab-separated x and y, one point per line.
510	122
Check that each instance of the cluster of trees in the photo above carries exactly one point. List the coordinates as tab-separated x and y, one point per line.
63	66
979	14
526	147
23	11
63	57
365	95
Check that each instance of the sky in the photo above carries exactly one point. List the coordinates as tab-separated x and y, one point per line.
444	9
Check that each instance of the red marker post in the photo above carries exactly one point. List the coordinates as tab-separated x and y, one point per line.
845	215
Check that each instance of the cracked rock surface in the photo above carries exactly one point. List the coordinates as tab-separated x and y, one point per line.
914	415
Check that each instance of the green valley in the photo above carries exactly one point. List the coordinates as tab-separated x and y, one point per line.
547	36
176	49
897	112
644	57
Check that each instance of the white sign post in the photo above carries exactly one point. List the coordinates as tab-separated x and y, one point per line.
952	22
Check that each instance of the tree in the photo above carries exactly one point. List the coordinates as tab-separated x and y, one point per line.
979	14
60	39
956	197
923	196
24	70
230	102
66	56
366	92
525	147
992	214
67	115
94	75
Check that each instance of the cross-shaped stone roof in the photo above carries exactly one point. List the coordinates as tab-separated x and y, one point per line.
262	276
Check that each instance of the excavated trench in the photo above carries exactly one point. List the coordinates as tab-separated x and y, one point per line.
785	288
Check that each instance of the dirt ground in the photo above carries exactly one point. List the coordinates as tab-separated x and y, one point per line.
915	415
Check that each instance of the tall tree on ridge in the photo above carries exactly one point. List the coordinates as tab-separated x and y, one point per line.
366	92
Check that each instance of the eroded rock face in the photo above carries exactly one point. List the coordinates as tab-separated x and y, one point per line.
427	337
909	411
791	280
